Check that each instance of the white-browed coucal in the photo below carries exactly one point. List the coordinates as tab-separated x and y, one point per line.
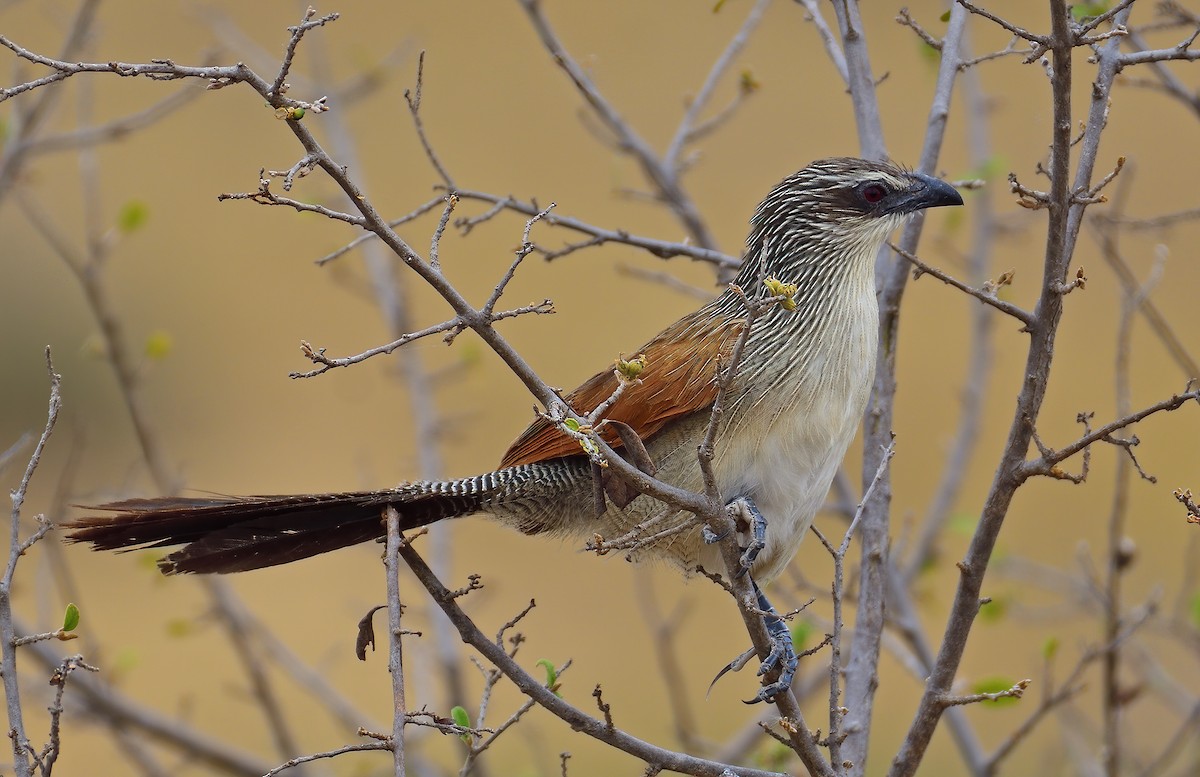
790	412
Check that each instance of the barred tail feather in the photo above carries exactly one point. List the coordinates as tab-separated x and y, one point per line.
237	534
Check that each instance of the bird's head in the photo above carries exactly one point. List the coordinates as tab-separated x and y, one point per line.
837	210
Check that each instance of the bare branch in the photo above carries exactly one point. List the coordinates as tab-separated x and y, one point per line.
828	39
1049	458
689	128
318	356
574	717
417	212
413	98
660	248
395	545
278	87
304	759
264	195
664	179
1020	32
22	748
984	295
1015	692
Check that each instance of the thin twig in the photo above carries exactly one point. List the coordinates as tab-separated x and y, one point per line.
578	720
413	98
689	129
665	180
985	296
391	565
358	748
22	748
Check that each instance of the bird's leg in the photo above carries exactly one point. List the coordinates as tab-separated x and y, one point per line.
748	519
783	652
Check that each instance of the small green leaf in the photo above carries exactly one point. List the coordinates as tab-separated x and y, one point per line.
1050	648
461	718
158	344
1089	9
149	562
775	757
992	168
469	353
993	611
996	685
133	216
800	633
125	661
571	424
178	628
551	673
963	524
71	617
945	17
929	53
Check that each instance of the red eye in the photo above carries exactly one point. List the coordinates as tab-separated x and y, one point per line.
873	193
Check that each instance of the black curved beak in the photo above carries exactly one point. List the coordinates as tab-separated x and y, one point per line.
925	192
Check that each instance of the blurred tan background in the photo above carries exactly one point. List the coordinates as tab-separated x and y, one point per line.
222	293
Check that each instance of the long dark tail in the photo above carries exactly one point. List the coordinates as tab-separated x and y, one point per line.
237	534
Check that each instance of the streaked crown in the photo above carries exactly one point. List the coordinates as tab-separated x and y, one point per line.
836	209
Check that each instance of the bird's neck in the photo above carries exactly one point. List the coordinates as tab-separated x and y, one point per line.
829	340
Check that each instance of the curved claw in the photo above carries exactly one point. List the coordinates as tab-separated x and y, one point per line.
733	666
711	537
782	656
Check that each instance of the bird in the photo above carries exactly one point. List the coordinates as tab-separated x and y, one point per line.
790	410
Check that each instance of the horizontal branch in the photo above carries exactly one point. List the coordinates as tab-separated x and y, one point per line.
415	213
264	195
317	355
663	249
1044	464
160	69
303	759
1015	692
988	298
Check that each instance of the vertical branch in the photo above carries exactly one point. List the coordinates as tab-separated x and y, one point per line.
836	714
664	180
861	80
690	117
1060	233
27	123
979	352
1119	555
391	292
391	565
22	750
862	670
